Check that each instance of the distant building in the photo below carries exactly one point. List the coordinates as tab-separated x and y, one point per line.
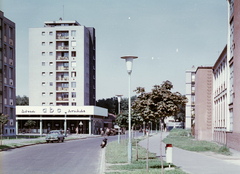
62	79
190	94
7	73
203	103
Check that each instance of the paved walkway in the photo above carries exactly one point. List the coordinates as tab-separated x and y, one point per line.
197	163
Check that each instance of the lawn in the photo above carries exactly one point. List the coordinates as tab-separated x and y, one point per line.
117	162
182	138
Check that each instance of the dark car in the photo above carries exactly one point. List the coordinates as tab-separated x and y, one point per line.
55	135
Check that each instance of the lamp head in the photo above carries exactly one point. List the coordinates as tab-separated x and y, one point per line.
119	97
129	62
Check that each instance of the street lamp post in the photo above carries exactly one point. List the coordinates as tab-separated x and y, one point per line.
129	62
119	100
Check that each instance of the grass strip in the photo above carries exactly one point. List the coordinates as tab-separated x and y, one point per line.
116	155
181	138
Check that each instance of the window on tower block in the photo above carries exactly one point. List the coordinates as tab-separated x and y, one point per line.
73	94
73	84
73	53
74	43
73	33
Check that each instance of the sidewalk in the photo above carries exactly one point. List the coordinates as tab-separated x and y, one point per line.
197	163
24	141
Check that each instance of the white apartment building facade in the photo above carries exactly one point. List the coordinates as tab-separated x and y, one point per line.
62	65
190	94
62	61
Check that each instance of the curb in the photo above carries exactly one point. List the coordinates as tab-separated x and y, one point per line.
24	145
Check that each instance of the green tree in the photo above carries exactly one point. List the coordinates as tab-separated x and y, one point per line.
22	101
124	103
157	104
180	116
110	103
3	120
30	124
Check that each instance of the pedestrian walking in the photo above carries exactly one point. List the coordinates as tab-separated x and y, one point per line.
77	130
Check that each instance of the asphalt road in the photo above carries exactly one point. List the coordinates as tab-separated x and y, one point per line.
76	157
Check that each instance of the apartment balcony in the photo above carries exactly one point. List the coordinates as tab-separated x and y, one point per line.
11	42
62	47
11	102
62	68
59	37
11	82
5	80
61	89
62	99
5	59
62	58
62	78
11	62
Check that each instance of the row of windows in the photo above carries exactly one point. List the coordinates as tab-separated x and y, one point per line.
74	95
73	53
50	53
44	63
59	104
50	43
73	74
73	84
73	33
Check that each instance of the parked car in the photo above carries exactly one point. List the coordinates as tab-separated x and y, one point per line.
55	135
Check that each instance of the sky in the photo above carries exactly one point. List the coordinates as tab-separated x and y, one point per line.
167	36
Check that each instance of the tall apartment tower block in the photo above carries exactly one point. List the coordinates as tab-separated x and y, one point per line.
7	73
190	94
62	64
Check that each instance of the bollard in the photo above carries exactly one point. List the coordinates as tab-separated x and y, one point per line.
168	150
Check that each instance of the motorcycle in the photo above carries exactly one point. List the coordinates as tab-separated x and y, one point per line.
104	143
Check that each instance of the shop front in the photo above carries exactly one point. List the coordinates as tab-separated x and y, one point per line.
73	119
